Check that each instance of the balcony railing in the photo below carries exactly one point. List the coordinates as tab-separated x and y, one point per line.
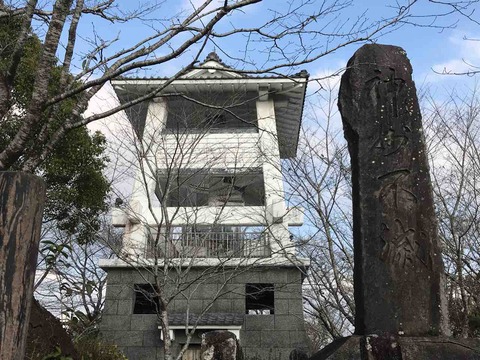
227	242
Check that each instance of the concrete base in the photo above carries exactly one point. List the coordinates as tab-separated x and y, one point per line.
400	348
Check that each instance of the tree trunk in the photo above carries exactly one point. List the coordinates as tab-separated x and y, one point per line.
22	198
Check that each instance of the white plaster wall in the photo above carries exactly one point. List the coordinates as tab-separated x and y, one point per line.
274	192
235	150
143	196
232	151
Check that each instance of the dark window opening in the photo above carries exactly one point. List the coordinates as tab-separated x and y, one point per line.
200	189
146	299
259	299
212	111
216	120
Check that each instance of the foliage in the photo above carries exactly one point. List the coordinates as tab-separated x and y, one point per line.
57	355
474	324
88	348
93	348
77	289
76	187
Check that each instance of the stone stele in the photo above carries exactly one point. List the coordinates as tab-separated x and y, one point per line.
398	274
220	345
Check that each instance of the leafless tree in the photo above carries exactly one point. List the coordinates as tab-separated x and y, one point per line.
319	180
453	133
194	167
84	60
300	33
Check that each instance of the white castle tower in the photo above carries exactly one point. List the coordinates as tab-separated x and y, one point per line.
207	225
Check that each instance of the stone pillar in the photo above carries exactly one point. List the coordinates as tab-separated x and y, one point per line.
398	275
220	345
22	198
398	272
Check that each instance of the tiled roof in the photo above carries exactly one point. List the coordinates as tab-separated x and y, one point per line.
213	56
251	76
206	319
289	93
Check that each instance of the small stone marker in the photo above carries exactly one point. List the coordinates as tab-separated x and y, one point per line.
220	345
298	354
398	267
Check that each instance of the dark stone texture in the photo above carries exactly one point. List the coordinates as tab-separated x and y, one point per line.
347	348
45	334
220	345
298	354
144	322
398	270
124	338
400	348
284	330
152	338
141	353
22	198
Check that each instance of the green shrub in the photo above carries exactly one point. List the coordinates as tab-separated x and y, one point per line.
474	324
93	348
57	355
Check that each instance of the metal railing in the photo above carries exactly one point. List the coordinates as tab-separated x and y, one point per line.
204	242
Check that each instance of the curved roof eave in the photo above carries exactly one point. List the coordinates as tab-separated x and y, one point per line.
287	92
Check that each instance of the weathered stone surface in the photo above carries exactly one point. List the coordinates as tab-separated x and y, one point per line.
22	197
398	268
45	334
347	348
220	345
258	332
400	348
298	354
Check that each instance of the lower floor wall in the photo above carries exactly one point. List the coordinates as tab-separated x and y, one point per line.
262	337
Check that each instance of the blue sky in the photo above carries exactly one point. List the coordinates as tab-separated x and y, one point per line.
427	47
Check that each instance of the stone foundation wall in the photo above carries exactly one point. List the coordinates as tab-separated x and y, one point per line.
262	337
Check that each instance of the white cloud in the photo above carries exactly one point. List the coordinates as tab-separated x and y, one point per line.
191	5
327	78
466	55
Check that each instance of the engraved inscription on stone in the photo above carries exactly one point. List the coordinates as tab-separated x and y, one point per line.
394	189
404	245
399	244
386	87
398	268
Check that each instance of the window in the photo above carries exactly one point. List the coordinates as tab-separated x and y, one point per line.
218	111
259	299
204	189
146	299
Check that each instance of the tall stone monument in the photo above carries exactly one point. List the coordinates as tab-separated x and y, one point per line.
401	310
398	266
